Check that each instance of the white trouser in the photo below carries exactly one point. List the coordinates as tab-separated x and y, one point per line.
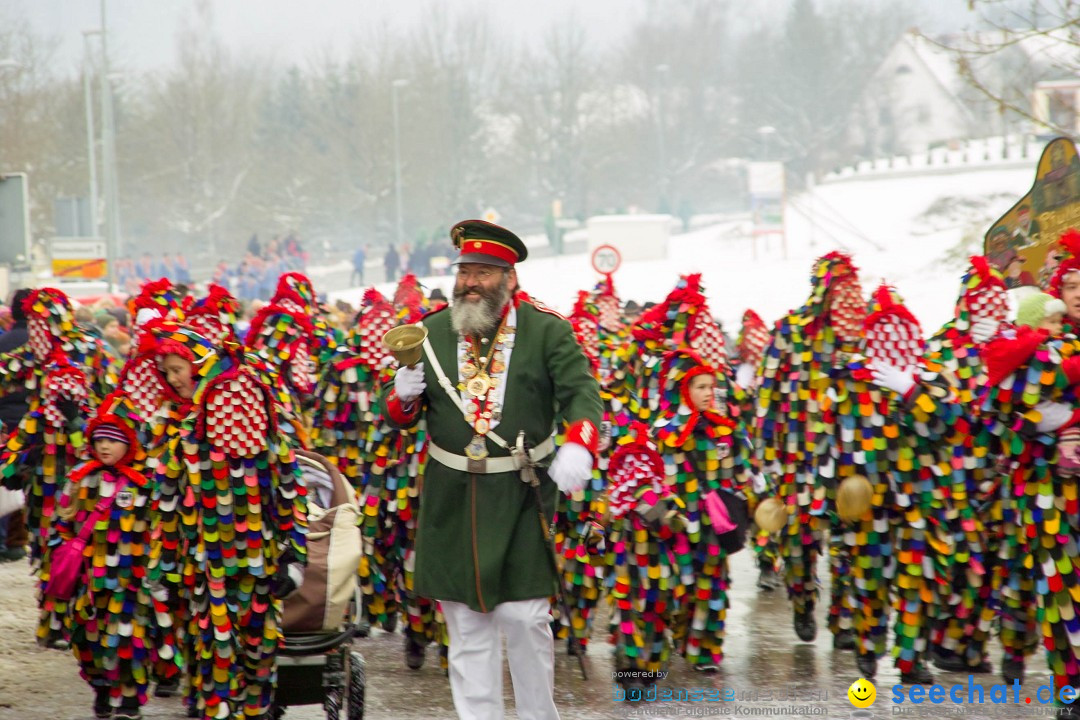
476	659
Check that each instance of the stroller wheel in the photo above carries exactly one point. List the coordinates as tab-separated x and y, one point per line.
357	682
332	703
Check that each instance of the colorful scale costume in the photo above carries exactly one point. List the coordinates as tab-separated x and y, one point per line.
969	612
937	539
1026	368
391	498
579	536
805	346
113	617
750	346
66	373
646	536
283	339
296	294
920	532
344	405
704	451
248	522
46	446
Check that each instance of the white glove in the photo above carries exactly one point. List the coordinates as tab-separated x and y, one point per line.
759	483
145	315
744	376
571	468
409	382
1054	415
983	330
892	378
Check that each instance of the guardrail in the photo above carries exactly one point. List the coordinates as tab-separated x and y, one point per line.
1011	151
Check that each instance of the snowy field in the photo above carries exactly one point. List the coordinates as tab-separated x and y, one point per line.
908	231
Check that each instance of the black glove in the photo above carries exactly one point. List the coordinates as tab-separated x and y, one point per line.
69	408
287	580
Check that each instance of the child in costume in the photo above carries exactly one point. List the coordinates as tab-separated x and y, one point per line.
112	614
706	451
646	536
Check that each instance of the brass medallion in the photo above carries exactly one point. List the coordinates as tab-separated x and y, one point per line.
477	448
478	386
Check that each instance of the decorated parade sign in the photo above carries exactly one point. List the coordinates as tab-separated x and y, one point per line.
1021	244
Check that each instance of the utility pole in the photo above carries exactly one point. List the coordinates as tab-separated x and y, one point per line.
108	159
394	86
91	152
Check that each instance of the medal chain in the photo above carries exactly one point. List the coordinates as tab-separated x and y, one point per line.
479	422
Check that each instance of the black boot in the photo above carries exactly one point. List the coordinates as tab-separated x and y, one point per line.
414	653
768	580
1012	670
363	628
168	687
844	640
573	646
805	625
918	675
867	664
129	709
102	708
949	661
391	623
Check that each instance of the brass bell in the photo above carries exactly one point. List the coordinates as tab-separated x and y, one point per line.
405	343
854	497
771	515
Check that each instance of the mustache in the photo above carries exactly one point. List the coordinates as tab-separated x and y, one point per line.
483	293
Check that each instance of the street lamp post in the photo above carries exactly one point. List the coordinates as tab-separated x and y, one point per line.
91	153
766	132
108	160
394	87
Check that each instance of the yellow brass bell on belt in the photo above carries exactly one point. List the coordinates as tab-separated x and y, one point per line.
405	343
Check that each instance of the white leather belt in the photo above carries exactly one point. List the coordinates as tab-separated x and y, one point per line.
490	465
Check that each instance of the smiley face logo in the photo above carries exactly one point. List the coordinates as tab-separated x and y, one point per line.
862	693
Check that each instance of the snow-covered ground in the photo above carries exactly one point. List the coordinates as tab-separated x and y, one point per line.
905	230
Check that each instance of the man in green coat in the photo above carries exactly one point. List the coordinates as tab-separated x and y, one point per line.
498	370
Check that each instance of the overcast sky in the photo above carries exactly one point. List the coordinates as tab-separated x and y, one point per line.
142	32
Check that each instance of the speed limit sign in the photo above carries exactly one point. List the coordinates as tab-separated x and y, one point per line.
606	259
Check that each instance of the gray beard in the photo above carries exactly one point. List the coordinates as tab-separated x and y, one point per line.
478	318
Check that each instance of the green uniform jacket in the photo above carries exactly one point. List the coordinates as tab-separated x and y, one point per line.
478	538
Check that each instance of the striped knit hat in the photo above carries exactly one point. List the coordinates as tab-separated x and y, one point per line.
110	431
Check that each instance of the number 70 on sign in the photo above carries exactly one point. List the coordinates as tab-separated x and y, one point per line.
606	259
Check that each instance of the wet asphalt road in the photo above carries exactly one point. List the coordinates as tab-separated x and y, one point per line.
769	672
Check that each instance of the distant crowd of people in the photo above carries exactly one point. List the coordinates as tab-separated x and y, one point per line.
253	278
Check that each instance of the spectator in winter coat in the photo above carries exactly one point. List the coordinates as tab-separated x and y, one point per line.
358	259
392	263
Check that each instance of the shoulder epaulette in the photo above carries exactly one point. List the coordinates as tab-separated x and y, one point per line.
540	306
433	311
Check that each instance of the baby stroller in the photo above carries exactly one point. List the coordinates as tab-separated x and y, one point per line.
317	664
